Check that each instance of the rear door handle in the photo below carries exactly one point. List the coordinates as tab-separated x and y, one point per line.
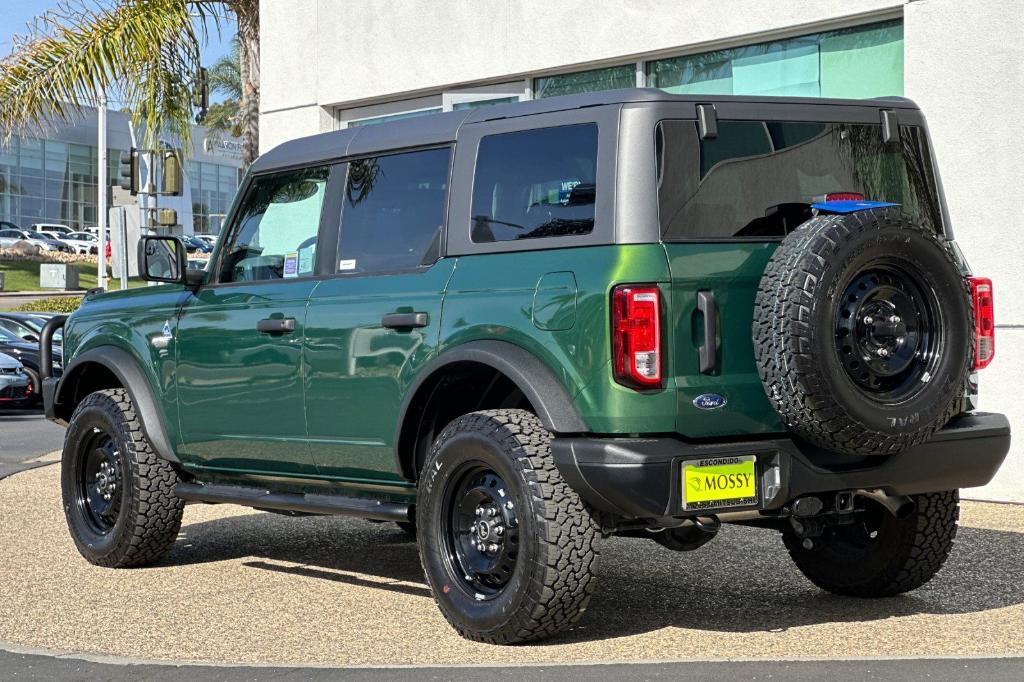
276	325
404	320
708	351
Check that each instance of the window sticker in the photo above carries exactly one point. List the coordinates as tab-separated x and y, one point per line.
565	190
349	264
306	259
291	264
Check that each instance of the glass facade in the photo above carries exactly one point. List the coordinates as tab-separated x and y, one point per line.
49	181
213	188
611	78
865	61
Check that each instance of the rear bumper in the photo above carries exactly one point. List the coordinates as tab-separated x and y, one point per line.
640	478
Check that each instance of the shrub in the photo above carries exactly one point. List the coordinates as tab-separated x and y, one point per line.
53	304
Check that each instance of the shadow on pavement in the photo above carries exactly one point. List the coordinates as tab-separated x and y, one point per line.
741	582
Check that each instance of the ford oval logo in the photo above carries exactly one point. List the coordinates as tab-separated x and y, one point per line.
709	401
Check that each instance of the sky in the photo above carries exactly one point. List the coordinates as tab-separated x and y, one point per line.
15	16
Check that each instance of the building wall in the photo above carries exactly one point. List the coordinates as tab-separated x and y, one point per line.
963	63
52	178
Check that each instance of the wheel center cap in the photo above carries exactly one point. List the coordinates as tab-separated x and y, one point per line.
483	530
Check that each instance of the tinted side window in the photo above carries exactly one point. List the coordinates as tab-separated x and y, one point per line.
276	229
535	183
758	179
394	211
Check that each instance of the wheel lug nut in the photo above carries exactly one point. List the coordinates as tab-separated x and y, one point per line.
895	319
492	547
479	511
868	319
492	512
499	530
883	353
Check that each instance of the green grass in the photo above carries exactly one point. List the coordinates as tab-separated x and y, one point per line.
23	275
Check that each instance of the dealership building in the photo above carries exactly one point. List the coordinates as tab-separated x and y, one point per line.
329	64
53	178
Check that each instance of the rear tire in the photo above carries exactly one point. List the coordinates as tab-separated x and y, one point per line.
533	578
118	494
903	555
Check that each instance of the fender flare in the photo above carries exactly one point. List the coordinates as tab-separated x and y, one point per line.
547	395
126	368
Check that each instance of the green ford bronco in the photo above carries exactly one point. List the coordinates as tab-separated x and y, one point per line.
517	331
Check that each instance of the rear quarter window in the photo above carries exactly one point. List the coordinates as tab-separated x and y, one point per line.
535	183
757	179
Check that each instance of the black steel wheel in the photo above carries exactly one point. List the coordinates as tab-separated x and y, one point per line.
888	331
99	489
507	547
863	332
118	495
480	530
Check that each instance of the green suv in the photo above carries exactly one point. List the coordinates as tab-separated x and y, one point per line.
517	331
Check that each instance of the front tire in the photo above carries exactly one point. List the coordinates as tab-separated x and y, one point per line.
507	547
118	494
880	555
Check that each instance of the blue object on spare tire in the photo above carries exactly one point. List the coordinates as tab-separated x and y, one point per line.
850	205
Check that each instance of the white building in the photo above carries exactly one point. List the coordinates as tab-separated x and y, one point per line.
329	64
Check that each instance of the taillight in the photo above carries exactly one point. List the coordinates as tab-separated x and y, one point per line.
839	196
984	321
636	335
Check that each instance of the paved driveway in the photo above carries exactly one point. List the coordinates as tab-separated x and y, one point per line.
243	586
24	435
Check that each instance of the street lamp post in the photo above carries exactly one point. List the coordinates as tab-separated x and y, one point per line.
101	189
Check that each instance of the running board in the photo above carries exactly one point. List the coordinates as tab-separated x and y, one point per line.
294	502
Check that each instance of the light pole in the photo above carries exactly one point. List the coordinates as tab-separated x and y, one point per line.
101	189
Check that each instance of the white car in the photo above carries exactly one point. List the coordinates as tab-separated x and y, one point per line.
10	237
52	227
14	383
82	242
210	239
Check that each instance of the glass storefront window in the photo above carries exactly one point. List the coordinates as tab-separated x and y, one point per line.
860	62
610	78
213	186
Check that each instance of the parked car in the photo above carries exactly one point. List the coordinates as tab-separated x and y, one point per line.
210	239
194	245
28	354
51	227
9	237
28	326
15	386
522	329
83	242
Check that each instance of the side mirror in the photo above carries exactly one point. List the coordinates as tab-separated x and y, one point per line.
162	259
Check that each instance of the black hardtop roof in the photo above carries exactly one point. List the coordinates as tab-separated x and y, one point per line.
442	128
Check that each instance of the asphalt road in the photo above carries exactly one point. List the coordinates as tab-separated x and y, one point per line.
26	434
14	666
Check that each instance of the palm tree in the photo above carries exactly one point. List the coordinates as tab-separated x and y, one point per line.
143	53
226	79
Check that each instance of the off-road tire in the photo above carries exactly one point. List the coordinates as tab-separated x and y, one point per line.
906	553
150	513
553	577
794	333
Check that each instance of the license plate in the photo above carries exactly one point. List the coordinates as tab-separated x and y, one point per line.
720	482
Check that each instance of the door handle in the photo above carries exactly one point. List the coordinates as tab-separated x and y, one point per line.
404	320
708	351
276	325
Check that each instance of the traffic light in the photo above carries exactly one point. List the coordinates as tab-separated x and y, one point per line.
171	181
201	94
129	175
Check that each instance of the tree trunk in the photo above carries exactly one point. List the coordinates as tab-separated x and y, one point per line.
248	15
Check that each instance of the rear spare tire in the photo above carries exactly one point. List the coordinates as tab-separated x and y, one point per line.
863	332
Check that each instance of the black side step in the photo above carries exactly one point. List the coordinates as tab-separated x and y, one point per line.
307	503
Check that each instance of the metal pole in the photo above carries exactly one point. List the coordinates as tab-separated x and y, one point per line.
101	189
124	249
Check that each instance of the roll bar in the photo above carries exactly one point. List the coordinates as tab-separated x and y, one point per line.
46	345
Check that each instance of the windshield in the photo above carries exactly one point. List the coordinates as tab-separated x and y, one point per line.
757	179
37	235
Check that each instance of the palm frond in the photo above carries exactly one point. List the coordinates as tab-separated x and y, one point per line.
144	53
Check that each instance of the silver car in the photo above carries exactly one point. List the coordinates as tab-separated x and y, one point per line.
14	383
